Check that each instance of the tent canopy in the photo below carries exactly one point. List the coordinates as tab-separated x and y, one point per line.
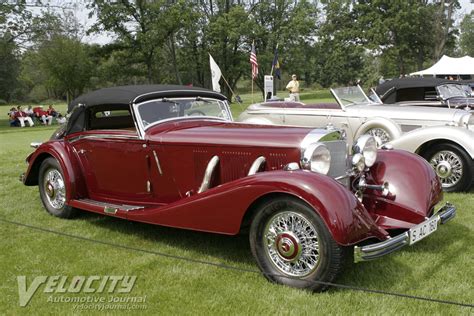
449	66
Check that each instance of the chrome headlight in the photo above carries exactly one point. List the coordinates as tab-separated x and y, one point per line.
467	120
316	158
367	147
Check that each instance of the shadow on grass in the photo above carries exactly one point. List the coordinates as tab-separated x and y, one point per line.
225	248
382	274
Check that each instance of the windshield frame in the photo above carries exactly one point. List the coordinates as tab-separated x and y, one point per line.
461	88
340	100
142	128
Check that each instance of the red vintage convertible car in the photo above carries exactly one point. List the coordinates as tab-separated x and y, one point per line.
171	155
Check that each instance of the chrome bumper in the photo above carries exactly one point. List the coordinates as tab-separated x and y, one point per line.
374	251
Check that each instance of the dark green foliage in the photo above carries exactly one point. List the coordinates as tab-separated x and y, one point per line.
329	43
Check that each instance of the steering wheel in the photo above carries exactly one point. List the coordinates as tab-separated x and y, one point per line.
196	113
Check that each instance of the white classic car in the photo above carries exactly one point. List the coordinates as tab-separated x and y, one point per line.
443	136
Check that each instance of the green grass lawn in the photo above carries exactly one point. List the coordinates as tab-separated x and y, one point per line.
441	266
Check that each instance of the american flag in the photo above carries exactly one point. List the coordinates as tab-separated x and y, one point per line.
253	62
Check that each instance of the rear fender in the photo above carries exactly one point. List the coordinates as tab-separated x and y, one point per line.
222	209
66	158
417	140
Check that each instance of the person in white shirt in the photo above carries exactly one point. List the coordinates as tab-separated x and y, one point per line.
22	117
294	88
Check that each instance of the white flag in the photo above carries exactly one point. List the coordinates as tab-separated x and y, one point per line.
216	74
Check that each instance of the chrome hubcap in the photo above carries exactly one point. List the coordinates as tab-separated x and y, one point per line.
448	167
380	133
292	244
54	188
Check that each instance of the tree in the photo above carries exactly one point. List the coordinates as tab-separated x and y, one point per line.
9	69
66	64
142	27
466	41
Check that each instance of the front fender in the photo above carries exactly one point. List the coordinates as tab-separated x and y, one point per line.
413	141
414	189
66	158
222	209
388	125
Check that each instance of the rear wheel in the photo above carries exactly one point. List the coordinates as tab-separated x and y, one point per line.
53	188
453	166
292	245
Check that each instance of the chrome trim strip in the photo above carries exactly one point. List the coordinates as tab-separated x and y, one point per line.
101	136
157	163
373	251
35	144
122	207
211	166
256	165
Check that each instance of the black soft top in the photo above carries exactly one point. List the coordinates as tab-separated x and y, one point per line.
82	109
414	82
124	95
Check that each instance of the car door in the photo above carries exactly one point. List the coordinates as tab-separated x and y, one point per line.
115	166
314	117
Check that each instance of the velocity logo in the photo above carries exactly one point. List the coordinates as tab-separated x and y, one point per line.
76	284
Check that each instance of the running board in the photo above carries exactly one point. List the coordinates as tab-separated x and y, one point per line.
108	208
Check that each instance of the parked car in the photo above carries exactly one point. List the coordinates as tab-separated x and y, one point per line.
171	155
433	92
444	137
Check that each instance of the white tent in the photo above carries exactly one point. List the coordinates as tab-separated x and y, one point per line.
449	66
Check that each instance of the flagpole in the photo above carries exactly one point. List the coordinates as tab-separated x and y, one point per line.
273	63
252	90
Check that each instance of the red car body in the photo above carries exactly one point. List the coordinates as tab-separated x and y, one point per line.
154	176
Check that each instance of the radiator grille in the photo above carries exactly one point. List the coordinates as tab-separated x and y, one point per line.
338	151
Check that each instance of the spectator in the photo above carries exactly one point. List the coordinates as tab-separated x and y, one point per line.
51	111
61	119
12	118
43	116
22	117
294	88
30	112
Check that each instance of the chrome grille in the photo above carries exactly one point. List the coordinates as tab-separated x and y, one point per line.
338	149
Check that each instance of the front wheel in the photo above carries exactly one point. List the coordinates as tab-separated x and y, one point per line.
380	134
453	166
52	189
292	245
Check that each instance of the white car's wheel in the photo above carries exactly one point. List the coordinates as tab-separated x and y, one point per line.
380	134
453	166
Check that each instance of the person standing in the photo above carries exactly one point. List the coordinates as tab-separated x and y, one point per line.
294	88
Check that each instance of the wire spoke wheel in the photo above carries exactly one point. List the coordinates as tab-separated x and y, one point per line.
292	244
448	166
380	133
54	188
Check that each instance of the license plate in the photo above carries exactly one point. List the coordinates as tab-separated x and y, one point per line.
422	230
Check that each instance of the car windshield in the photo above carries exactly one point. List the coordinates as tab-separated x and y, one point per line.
447	91
154	111
348	96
